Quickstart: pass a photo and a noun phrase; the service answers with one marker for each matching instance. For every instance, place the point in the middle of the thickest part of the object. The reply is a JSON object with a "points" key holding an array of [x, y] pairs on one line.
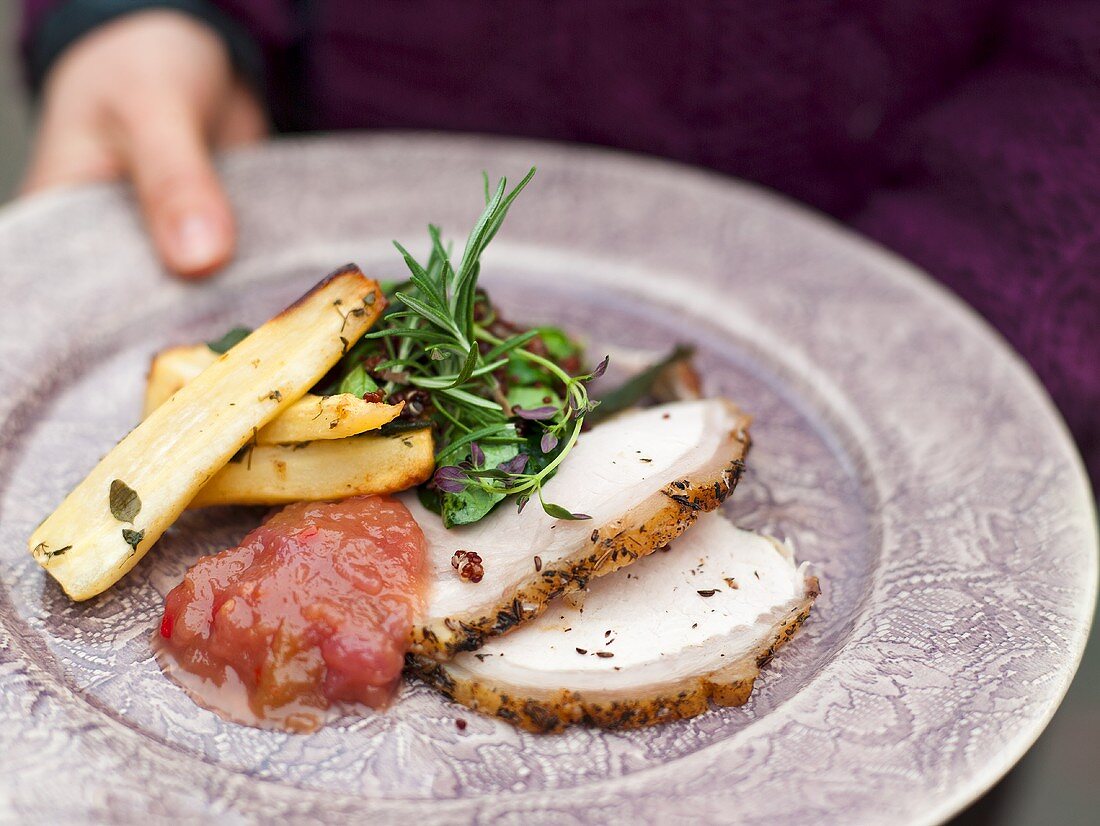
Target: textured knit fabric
{"points": [[964, 134]]}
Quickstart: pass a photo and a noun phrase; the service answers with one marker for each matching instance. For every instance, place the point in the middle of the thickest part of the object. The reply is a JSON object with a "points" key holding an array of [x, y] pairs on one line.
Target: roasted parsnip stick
{"points": [[171, 369], [332, 469], [110, 520], [314, 418], [308, 419]]}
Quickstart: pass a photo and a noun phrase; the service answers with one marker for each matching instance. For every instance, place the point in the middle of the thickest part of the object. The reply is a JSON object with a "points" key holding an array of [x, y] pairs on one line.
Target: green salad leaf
{"points": [[229, 340]]}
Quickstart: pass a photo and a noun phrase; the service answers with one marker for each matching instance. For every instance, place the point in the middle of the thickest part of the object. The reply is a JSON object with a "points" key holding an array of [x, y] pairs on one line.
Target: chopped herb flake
{"points": [[125, 503], [133, 538], [42, 553]]}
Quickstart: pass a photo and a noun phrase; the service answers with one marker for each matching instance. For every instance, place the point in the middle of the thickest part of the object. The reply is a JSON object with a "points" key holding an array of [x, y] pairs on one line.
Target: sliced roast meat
{"points": [[658, 641], [643, 477]]}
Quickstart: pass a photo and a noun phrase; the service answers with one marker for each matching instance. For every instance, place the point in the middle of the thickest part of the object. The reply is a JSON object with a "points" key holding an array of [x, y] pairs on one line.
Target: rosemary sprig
{"points": [[506, 415]]}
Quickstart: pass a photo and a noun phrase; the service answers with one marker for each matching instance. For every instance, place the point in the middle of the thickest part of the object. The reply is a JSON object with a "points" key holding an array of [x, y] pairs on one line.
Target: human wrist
{"points": [[72, 20]]}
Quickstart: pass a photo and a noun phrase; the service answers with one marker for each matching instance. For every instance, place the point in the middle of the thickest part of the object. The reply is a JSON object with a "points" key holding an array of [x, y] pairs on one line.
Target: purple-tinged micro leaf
{"points": [[450, 479], [537, 413], [477, 454], [521, 502], [548, 443], [514, 465], [601, 368], [558, 512], [488, 473]]}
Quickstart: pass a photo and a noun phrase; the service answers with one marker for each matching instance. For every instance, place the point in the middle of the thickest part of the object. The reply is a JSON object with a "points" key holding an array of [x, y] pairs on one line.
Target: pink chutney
{"points": [[312, 609]]}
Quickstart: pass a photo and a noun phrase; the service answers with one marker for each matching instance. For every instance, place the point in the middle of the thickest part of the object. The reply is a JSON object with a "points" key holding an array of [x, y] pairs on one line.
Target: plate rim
{"points": [[887, 263]]}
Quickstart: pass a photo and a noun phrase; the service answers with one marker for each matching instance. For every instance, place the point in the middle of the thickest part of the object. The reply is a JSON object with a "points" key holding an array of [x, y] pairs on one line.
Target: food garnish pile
{"points": [[465, 502]]}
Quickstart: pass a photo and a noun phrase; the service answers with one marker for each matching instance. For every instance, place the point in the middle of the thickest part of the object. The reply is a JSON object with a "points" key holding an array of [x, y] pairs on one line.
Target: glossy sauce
{"points": [[312, 610]]}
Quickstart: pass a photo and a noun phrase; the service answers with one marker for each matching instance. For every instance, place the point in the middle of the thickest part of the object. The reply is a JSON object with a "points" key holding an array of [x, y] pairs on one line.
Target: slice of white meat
{"points": [[643, 477], [656, 642]]}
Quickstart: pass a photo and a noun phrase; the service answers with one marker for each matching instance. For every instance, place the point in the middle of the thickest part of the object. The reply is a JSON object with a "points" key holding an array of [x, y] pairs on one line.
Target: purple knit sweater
{"points": [[964, 134]]}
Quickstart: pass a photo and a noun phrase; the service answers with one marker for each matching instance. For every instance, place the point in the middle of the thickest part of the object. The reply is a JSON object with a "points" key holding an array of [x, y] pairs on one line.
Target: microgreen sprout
{"points": [[504, 409]]}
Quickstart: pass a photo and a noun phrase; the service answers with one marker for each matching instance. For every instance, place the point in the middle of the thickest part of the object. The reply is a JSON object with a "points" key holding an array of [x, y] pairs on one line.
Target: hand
{"points": [[148, 96]]}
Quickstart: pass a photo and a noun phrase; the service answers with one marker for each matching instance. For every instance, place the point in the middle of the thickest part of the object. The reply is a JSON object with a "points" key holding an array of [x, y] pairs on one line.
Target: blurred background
{"points": [[1057, 782], [14, 116]]}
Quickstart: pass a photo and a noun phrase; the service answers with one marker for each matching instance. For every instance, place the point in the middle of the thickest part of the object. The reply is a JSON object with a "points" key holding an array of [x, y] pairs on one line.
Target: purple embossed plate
{"points": [[898, 442]]}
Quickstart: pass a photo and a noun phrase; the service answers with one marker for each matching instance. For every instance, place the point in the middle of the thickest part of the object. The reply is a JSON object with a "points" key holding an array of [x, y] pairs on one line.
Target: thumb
{"points": [[181, 197]]}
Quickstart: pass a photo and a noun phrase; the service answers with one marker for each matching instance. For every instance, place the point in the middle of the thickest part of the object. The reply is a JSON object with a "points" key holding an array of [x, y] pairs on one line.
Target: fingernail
{"points": [[197, 243]]}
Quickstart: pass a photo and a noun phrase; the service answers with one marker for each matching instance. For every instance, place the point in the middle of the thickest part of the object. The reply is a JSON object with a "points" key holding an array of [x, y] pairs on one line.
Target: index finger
{"points": [[183, 201]]}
